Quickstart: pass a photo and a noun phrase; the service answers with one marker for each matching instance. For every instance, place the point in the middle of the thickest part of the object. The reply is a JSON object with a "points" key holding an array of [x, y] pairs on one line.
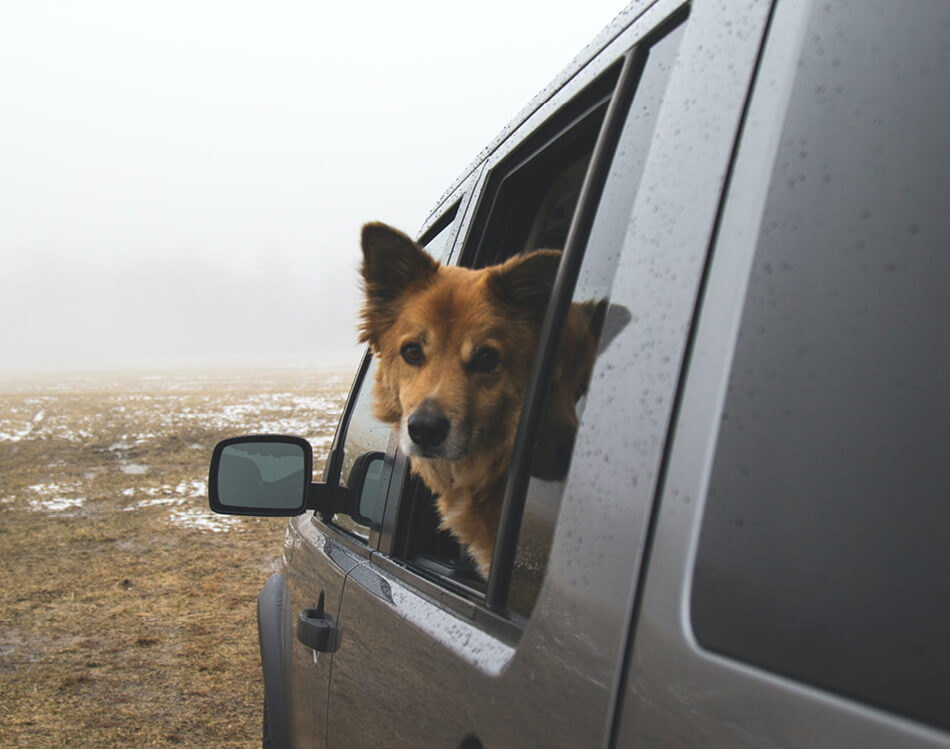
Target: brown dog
{"points": [[455, 348]]}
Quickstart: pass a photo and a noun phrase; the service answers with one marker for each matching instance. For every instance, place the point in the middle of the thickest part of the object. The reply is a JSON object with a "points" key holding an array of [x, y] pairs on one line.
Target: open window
{"points": [[528, 203], [544, 194]]}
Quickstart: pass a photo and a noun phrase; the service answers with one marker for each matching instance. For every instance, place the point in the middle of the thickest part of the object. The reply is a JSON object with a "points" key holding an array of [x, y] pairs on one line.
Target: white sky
{"points": [[183, 183]]}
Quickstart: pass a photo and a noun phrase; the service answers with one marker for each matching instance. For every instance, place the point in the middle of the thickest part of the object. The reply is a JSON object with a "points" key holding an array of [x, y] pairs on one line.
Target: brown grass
{"points": [[125, 618]]}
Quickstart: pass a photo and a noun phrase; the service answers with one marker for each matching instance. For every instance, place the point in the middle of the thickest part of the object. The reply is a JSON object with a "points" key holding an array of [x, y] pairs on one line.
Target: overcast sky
{"points": [[183, 183]]}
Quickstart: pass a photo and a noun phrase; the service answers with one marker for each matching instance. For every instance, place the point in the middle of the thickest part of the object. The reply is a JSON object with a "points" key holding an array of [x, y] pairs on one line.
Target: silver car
{"points": [[748, 542]]}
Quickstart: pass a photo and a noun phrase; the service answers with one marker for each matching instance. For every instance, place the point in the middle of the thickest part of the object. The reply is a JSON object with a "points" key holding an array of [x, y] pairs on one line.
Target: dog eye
{"points": [[485, 360], [412, 353]]}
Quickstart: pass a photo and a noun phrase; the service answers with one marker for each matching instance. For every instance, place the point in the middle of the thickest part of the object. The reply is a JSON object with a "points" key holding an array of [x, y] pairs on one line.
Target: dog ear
{"points": [[392, 263], [524, 282]]}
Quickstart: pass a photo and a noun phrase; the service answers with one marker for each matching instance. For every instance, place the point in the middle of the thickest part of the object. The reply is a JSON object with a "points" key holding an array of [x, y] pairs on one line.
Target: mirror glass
{"points": [[263, 474]]}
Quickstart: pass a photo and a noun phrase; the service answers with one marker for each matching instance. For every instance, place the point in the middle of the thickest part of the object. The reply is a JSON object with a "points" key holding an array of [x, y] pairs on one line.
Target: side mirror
{"points": [[261, 475], [271, 475]]}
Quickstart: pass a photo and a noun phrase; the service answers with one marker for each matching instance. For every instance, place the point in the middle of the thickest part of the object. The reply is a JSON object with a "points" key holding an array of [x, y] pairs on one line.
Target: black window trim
{"points": [[444, 221]]}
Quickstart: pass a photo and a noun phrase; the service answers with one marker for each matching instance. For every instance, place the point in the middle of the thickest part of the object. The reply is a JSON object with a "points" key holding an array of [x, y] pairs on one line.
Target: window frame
{"points": [[469, 246], [598, 111], [558, 136], [583, 116]]}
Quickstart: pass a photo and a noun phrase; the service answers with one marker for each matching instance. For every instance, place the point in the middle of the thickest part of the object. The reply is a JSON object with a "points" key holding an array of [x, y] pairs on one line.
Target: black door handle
{"points": [[318, 630]]}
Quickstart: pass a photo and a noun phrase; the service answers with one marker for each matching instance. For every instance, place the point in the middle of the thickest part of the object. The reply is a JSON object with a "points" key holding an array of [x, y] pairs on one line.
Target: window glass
{"points": [[365, 468], [592, 324], [824, 550], [435, 244]]}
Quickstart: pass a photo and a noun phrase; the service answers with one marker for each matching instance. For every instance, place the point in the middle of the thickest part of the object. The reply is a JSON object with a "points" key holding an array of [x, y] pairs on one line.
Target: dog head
{"points": [[455, 345]]}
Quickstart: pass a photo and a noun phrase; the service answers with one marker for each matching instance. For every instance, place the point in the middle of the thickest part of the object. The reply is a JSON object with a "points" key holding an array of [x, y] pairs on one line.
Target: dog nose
{"points": [[427, 428]]}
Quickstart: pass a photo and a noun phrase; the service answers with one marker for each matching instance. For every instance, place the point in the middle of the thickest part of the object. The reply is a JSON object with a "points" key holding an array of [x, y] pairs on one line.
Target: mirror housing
{"points": [[271, 475]]}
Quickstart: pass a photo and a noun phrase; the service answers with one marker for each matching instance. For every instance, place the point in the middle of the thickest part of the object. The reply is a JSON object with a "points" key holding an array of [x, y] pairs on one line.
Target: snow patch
{"points": [[135, 469], [202, 520], [57, 504]]}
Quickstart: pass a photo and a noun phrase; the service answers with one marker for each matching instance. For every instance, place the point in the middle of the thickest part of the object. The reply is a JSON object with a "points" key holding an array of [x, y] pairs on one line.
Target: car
{"points": [[748, 544]]}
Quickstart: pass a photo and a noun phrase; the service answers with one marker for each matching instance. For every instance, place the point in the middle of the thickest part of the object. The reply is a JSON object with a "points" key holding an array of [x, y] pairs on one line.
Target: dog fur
{"points": [[455, 348]]}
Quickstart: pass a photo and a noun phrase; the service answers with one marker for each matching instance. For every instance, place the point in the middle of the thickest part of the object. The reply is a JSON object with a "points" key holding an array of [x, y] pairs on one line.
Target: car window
{"points": [[591, 325], [823, 551], [365, 470], [528, 203]]}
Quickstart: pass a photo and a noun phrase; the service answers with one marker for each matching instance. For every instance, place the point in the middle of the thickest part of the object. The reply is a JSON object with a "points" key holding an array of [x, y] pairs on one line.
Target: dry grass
{"points": [[127, 610]]}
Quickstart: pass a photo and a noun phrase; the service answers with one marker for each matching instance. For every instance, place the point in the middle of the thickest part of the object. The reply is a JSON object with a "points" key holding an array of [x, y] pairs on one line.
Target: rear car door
{"points": [[430, 654], [797, 591]]}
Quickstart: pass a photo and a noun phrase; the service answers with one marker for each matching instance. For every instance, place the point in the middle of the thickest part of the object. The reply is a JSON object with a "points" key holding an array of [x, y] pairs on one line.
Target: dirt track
{"points": [[127, 610]]}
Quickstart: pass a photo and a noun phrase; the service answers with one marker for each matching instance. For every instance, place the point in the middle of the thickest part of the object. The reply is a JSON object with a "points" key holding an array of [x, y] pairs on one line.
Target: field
{"points": [[127, 609]]}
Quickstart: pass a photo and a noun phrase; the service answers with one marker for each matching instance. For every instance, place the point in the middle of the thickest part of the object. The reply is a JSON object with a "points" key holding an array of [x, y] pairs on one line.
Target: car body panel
{"points": [[676, 692], [320, 562], [608, 654]]}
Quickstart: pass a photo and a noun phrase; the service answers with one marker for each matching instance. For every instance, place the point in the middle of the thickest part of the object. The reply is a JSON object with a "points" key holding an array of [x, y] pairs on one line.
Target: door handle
{"points": [[318, 630]]}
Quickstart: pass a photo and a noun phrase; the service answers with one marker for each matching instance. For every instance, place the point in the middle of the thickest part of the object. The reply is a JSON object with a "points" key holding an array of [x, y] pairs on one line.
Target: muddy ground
{"points": [[127, 609]]}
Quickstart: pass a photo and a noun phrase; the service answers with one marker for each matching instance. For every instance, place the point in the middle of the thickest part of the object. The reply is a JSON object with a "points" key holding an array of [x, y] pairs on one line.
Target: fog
{"points": [[183, 183]]}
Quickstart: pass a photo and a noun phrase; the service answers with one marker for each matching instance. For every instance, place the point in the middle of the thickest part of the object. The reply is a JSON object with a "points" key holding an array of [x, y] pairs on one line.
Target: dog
{"points": [[455, 348]]}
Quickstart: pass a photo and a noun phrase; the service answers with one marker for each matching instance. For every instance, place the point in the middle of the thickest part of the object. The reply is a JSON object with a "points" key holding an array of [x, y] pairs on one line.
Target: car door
{"points": [[797, 592], [318, 554], [320, 550], [430, 654]]}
